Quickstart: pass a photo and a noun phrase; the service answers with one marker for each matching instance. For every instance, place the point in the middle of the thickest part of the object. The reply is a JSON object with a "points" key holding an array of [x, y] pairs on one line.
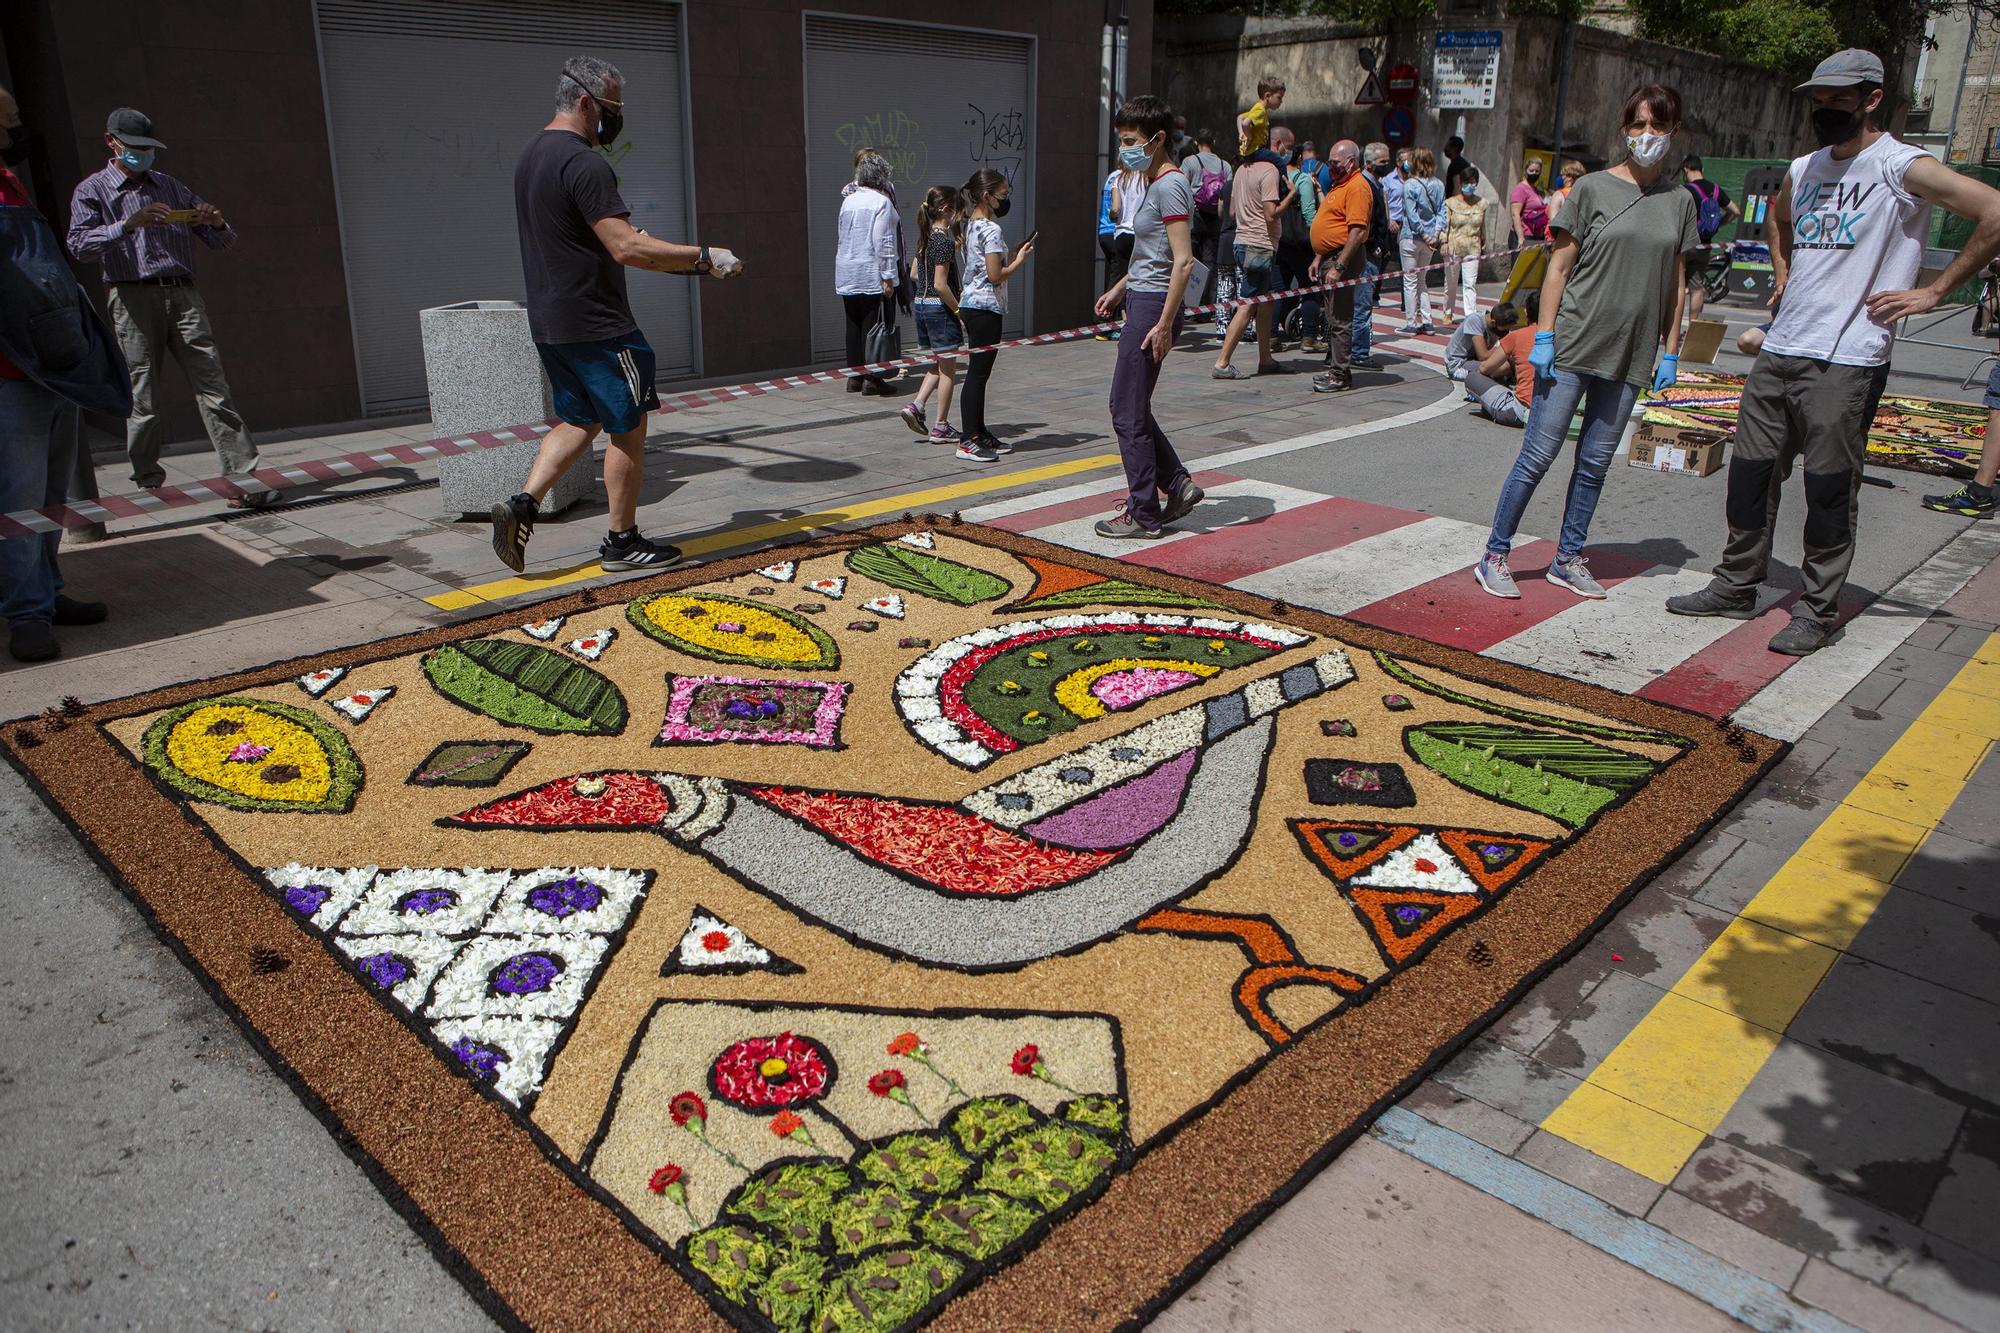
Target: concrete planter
{"points": [[484, 374]]}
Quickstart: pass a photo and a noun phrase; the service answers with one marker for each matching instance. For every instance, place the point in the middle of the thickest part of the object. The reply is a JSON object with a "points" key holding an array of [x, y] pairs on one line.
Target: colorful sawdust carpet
{"points": [[687, 954], [1934, 435]]}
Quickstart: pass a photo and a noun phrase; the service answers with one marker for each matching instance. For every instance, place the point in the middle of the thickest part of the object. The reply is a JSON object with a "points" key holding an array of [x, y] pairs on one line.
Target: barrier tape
{"points": [[83, 513]]}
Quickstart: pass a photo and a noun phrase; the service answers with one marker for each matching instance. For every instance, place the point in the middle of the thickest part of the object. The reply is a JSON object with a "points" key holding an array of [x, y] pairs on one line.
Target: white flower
{"points": [[781, 572], [923, 541], [532, 976], [361, 703], [834, 588], [318, 682], [342, 888], [888, 605], [432, 900], [1421, 863], [712, 942], [525, 1044], [592, 646], [423, 955], [543, 629]]}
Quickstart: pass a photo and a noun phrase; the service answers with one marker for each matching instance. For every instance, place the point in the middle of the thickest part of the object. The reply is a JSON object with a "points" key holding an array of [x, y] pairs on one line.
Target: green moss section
{"points": [[926, 1161], [927, 575], [885, 1291], [342, 764], [1562, 777], [983, 1122], [1007, 710], [1115, 592], [1048, 1165], [1105, 1113], [977, 1225], [736, 1259], [883, 1215], [1519, 714], [526, 685], [788, 1296], [794, 1200]]}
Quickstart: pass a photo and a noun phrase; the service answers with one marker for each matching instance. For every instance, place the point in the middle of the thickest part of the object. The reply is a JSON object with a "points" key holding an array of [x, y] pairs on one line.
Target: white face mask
{"points": [[1648, 148]]}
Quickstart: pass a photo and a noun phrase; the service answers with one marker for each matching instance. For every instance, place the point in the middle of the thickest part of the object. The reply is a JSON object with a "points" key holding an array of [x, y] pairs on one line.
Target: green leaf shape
{"points": [[794, 1199], [881, 1215], [1563, 777], [927, 575], [978, 1225], [1105, 1113], [734, 1258], [684, 621], [795, 1286], [924, 1161], [1116, 592], [885, 1291], [1602, 731], [343, 766], [1048, 1165], [526, 685], [983, 1122]]}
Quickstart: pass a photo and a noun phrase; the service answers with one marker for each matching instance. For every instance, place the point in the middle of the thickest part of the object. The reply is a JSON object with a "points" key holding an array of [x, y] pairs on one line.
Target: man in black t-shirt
{"points": [[576, 242]]}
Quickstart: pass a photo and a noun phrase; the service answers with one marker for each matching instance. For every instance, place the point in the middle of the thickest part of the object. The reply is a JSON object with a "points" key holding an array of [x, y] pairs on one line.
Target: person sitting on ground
{"points": [[1476, 335], [1751, 340], [1504, 382], [1253, 127], [1979, 497]]}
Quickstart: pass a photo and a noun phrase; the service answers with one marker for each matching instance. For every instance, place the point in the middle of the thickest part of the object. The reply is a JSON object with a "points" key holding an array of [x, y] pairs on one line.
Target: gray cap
{"points": [[1844, 69], [132, 128]]}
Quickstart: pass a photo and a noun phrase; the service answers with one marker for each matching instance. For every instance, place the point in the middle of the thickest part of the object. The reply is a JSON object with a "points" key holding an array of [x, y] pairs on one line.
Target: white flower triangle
{"points": [[361, 703], [710, 944], [592, 646], [923, 541], [319, 682], [543, 629], [1421, 863], [781, 572], [835, 587], [889, 605]]}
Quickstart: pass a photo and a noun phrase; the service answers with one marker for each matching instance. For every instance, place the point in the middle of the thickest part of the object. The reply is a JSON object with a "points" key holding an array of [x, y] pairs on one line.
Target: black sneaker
{"points": [[32, 641], [1965, 502], [513, 524], [638, 553], [1181, 501], [69, 611]]}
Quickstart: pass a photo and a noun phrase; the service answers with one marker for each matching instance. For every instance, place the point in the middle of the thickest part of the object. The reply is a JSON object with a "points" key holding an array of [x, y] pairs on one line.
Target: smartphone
{"points": [[189, 215], [1031, 238]]}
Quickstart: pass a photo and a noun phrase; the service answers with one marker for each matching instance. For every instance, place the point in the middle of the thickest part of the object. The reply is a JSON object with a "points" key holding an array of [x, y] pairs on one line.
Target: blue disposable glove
{"points": [[1542, 356], [1669, 371]]}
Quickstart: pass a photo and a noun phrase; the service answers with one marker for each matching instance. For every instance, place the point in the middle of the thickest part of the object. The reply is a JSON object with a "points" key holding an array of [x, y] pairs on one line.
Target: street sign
{"points": [[1402, 83], [1398, 126], [1466, 70], [1371, 92]]}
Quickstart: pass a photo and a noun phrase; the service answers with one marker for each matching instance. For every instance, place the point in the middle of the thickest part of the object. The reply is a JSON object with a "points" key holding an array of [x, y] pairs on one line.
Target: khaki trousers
{"points": [[152, 322]]}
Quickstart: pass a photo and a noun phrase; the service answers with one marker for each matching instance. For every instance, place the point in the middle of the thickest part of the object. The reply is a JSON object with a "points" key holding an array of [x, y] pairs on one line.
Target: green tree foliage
{"points": [[1783, 36]]}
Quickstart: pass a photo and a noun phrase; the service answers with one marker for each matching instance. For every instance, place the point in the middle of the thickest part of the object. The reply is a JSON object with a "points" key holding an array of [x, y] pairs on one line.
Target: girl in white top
{"points": [[984, 268]]}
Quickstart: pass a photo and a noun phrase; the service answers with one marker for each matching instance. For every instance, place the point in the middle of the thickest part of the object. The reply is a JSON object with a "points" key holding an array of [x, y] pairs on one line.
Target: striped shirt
{"points": [[103, 201]]}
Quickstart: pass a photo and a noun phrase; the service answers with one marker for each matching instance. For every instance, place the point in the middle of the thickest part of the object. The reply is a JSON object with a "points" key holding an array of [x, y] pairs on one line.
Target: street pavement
{"points": [[1765, 1091]]}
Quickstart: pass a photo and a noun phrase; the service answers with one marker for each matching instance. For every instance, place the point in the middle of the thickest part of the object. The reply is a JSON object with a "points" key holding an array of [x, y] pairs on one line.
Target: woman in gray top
{"points": [[1613, 293]]}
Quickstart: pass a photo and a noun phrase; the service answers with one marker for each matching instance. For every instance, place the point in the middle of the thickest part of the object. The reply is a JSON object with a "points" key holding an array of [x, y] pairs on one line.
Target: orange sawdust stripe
{"points": [[1259, 938], [1052, 578], [1250, 991]]}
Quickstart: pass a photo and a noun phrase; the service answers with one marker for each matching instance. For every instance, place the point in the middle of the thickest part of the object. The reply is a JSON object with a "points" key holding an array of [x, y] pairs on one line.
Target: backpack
{"points": [[1707, 209], [1208, 194], [1380, 244]]}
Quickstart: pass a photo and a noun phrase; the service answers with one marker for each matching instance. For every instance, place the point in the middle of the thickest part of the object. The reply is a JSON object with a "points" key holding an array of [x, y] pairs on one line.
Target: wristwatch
{"points": [[704, 266]]}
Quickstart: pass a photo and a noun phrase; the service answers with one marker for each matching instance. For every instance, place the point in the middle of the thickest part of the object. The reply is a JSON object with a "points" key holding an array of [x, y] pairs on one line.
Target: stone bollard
{"points": [[484, 375]]}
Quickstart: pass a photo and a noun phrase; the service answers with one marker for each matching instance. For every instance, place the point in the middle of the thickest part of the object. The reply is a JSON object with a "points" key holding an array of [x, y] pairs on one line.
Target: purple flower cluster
{"points": [[526, 974], [305, 899], [386, 970], [481, 1059], [423, 902], [565, 897]]}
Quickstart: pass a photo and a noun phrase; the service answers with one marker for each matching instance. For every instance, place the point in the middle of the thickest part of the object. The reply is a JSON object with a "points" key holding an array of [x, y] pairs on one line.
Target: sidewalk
{"points": [[154, 1164]]}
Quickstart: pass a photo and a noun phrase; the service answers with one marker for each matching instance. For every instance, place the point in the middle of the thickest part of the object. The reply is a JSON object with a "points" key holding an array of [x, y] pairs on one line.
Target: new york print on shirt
{"points": [[1825, 214]]}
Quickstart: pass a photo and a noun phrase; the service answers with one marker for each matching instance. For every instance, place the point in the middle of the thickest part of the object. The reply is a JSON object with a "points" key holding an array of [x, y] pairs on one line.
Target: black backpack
{"points": [[1380, 244]]}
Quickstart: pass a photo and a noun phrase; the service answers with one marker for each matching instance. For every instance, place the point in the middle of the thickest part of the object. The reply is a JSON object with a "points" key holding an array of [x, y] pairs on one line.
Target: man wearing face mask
{"points": [[140, 225], [576, 242], [1848, 228], [1340, 231], [1379, 249]]}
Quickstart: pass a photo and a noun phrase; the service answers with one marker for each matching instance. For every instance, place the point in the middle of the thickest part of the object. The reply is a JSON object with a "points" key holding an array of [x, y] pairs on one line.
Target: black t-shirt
{"points": [[576, 290]]}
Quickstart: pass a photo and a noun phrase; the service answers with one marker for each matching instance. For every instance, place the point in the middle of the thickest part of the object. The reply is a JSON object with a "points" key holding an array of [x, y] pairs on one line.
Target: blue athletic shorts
{"points": [[607, 382]]}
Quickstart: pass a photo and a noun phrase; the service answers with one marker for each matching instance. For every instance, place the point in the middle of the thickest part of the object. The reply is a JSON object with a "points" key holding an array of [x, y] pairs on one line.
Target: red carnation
{"points": [[716, 941], [1026, 1059], [667, 1176], [686, 1107], [886, 1083], [785, 1124], [904, 1044]]}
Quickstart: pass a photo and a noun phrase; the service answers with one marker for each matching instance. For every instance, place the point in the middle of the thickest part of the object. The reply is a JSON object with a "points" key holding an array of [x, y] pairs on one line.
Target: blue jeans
{"points": [[1606, 406], [39, 435], [1364, 307]]}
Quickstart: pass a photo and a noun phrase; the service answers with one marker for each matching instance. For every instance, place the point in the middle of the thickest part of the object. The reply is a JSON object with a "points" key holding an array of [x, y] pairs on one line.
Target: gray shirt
{"points": [[1168, 199], [1615, 302]]}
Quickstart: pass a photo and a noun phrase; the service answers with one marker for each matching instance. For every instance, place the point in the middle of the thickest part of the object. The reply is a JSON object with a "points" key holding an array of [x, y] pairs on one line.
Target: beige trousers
{"points": [[154, 322]]}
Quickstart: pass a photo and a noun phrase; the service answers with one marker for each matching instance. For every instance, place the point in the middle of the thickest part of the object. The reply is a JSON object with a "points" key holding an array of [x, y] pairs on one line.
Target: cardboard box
{"points": [[1678, 449], [1703, 337]]}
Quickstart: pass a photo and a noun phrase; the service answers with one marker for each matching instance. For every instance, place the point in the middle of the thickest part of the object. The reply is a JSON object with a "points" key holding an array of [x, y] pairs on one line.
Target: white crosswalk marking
{"points": [[1638, 640], [1368, 570]]}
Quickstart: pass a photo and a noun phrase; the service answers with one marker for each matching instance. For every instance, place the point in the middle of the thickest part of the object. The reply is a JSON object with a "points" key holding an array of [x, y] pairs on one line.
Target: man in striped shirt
{"points": [[140, 225]]}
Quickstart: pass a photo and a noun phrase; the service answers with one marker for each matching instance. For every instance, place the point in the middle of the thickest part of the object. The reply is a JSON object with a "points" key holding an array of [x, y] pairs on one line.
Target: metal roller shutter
{"points": [[939, 103], [429, 103]]}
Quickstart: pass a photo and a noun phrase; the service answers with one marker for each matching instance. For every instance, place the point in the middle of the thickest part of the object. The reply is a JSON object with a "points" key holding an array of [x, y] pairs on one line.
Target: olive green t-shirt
{"points": [[1615, 302]]}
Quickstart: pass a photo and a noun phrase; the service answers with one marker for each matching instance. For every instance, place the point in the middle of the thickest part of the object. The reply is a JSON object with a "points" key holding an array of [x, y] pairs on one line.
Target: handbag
{"points": [[885, 341]]}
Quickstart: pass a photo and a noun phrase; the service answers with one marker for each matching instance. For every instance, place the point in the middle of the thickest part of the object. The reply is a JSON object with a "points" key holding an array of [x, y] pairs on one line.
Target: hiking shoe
{"points": [[1495, 577], [637, 553], [69, 611], [1332, 381], [944, 434], [1122, 526], [1226, 373], [1181, 500], [1800, 638], [513, 525], [1965, 502], [33, 641], [1312, 345], [1710, 602], [1568, 572], [913, 417], [975, 451]]}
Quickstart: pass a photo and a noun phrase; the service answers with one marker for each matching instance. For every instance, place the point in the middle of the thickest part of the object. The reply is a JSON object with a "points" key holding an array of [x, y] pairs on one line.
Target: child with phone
{"points": [[982, 300]]}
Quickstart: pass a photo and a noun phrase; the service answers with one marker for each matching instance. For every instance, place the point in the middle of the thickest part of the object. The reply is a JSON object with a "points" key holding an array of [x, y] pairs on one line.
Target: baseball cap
{"points": [[134, 129], [1844, 69]]}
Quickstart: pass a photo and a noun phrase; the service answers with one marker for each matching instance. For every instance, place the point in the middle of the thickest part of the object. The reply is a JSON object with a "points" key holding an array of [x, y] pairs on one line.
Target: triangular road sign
{"points": [[1371, 92]]}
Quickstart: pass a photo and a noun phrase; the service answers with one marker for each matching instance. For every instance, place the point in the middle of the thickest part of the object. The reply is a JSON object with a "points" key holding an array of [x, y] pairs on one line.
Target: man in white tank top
{"points": [[1847, 239]]}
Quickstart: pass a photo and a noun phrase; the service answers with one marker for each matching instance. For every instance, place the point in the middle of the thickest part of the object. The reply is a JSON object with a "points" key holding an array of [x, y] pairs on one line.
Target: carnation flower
{"points": [[1028, 1063], [688, 1107]]}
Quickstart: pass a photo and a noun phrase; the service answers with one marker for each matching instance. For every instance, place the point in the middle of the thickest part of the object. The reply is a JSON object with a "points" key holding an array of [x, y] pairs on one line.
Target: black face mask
{"points": [[1000, 209], [609, 123], [1380, 169], [16, 152], [1831, 125]]}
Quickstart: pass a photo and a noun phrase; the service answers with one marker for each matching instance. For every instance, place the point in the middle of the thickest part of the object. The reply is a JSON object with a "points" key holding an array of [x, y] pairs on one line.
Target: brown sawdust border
{"points": [[488, 1192]]}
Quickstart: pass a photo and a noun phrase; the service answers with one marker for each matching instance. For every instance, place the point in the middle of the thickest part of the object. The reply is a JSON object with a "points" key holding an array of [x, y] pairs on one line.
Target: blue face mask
{"points": [[1285, 158], [1134, 157], [137, 159]]}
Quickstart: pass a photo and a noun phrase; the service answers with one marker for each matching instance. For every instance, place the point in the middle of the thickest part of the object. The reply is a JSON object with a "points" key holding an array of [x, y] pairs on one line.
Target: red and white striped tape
{"points": [[82, 513]]}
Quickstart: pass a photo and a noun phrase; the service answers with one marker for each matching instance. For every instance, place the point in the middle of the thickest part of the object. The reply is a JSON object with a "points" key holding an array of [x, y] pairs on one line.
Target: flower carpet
{"points": [[925, 926], [1936, 435]]}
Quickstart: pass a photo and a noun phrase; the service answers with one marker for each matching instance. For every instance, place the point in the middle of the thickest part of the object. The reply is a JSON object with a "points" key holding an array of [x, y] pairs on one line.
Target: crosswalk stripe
{"points": [[1234, 553], [1367, 570], [1622, 642], [1454, 610], [1233, 503]]}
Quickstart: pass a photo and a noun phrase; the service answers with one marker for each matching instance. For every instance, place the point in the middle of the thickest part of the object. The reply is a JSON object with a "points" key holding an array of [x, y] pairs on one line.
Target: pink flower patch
{"points": [[1119, 690], [247, 753]]}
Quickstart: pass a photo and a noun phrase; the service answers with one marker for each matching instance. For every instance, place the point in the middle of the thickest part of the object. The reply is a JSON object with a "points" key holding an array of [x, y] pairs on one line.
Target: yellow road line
{"points": [[1673, 1079], [459, 598]]}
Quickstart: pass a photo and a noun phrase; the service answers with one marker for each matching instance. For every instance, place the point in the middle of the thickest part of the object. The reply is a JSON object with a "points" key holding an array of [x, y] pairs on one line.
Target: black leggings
{"points": [[1117, 256], [863, 313], [981, 327]]}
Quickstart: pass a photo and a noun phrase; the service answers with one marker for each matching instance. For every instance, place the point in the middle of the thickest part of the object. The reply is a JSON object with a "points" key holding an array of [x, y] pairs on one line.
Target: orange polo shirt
{"points": [[1346, 205]]}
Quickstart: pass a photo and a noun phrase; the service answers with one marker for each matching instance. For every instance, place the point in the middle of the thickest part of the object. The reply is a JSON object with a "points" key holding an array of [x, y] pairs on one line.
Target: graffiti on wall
{"points": [[997, 140], [895, 136]]}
